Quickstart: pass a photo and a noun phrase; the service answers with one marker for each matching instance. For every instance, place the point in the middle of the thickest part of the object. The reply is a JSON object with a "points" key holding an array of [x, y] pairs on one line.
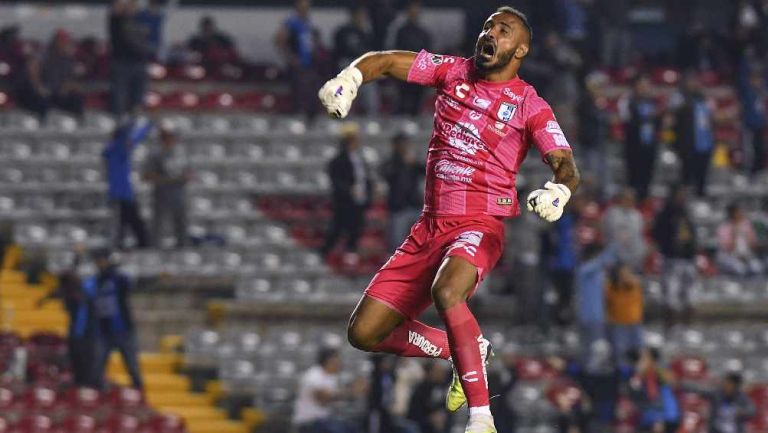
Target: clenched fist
{"points": [[337, 94], [549, 202]]}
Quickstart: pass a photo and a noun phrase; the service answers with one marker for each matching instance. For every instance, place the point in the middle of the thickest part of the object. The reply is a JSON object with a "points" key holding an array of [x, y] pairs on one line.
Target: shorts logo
{"points": [[425, 345], [481, 103], [474, 115], [505, 201], [506, 111], [469, 241], [423, 64]]}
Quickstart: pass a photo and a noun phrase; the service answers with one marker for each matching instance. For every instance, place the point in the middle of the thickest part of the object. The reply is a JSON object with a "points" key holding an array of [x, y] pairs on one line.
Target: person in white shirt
{"points": [[319, 388]]}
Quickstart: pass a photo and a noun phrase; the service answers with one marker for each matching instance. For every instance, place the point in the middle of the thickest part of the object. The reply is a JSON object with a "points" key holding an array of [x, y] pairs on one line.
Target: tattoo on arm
{"points": [[564, 168]]}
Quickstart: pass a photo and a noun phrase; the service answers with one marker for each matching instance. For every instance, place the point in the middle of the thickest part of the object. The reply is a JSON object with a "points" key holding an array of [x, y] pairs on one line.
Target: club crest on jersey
{"points": [[506, 111]]}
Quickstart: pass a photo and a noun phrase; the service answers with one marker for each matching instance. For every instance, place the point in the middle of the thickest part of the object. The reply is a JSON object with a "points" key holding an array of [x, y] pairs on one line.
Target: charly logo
{"points": [[453, 172], [475, 115], [461, 90], [463, 136]]}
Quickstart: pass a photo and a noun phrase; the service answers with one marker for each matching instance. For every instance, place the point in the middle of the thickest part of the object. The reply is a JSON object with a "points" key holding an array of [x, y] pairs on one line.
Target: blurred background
{"points": [[183, 233]]}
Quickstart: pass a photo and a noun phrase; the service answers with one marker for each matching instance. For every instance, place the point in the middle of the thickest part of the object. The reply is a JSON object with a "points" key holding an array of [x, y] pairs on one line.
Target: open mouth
{"points": [[487, 50]]}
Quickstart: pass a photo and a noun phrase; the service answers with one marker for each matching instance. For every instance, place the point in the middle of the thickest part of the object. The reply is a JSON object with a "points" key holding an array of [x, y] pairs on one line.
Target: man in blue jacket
{"points": [[108, 291], [117, 155]]}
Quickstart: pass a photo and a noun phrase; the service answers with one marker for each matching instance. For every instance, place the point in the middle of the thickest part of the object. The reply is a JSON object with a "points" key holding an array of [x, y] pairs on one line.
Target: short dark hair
{"points": [[523, 18], [326, 354], [735, 378]]}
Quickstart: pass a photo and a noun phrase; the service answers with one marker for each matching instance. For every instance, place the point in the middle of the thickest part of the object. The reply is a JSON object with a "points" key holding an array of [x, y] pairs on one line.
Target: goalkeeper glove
{"points": [[548, 203], [337, 94]]}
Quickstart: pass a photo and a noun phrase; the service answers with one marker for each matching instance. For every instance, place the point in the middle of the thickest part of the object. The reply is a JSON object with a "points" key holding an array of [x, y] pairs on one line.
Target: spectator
{"points": [[50, 82], [624, 302], [351, 194], [109, 290], [694, 133], [351, 41], [403, 175], [130, 49], [594, 124], [623, 225], [82, 332], [297, 39], [753, 94], [642, 120], [501, 383], [410, 35], [409, 373], [117, 155], [380, 417], [427, 407], [319, 389], [601, 379], [675, 237], [153, 18], [616, 40], [590, 302], [215, 47], [731, 408], [562, 90], [560, 249], [382, 13], [736, 244], [167, 169], [650, 390]]}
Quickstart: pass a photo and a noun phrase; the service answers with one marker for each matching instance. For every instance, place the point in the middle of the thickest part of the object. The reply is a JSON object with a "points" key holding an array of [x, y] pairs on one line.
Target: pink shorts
{"points": [[404, 283]]}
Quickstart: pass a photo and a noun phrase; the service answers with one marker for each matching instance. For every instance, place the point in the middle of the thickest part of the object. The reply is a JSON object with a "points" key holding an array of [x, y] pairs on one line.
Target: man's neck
{"points": [[498, 76]]}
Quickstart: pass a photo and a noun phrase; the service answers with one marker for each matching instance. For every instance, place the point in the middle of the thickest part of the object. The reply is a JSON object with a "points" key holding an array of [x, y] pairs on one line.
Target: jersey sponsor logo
{"points": [[452, 103], [439, 59], [553, 127], [509, 93], [468, 241], [557, 133], [475, 115], [506, 111], [461, 90], [464, 136], [453, 172], [422, 64], [425, 345], [481, 103]]}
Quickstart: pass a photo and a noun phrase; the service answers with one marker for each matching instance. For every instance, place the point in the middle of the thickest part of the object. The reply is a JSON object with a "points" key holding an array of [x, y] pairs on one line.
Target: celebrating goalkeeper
{"points": [[486, 119]]}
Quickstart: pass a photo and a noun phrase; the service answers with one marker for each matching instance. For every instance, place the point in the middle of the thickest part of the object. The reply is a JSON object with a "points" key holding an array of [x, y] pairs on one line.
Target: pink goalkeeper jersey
{"points": [[482, 133]]}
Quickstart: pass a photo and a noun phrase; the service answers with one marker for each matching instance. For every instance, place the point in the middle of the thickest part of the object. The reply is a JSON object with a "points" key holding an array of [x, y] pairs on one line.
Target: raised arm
{"points": [[338, 93], [564, 168]]}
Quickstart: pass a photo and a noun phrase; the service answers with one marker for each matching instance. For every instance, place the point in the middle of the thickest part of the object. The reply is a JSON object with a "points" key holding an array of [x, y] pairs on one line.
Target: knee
{"points": [[361, 338], [448, 295]]}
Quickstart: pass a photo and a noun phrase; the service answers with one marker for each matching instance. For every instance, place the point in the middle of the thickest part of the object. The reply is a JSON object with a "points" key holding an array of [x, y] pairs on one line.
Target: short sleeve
{"points": [[543, 128], [430, 69]]}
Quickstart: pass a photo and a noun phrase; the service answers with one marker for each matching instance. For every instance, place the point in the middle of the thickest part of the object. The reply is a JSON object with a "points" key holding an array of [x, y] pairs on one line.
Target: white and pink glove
{"points": [[337, 94], [548, 203]]}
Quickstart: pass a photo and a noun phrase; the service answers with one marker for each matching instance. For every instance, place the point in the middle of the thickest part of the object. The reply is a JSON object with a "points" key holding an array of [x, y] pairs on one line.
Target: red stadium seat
{"points": [[533, 369], [689, 368], [692, 402], [691, 422], [759, 395], [167, 423], [126, 398]]}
